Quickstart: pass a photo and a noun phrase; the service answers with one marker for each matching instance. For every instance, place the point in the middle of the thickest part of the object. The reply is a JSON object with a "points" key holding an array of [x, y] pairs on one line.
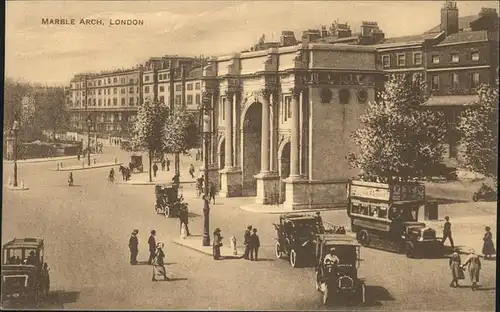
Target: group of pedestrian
{"points": [[156, 254], [473, 262], [252, 244]]}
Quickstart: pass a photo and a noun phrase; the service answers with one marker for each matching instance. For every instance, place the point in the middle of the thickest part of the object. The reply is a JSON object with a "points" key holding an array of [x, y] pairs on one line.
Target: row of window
{"points": [[417, 59], [455, 58], [474, 80], [189, 86]]}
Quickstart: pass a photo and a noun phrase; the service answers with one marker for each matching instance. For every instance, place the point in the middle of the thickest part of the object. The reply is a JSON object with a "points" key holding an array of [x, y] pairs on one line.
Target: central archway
{"points": [[251, 137]]}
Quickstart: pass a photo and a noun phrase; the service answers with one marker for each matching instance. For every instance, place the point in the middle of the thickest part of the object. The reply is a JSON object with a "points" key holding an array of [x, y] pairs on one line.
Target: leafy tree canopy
{"points": [[180, 132], [479, 132], [397, 139]]}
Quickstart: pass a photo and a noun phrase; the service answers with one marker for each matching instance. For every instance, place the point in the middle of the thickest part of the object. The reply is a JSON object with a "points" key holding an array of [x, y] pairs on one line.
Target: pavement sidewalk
{"points": [[161, 177], [195, 243], [47, 159], [85, 167]]}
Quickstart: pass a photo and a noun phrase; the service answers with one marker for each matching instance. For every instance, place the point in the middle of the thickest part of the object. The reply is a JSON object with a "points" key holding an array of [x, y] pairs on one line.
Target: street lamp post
{"points": [[15, 129], [89, 123], [207, 131]]}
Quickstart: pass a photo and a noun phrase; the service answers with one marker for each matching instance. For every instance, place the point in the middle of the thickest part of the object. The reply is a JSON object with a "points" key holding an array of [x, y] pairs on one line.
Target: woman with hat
{"points": [[488, 247], [456, 269], [474, 265], [217, 243], [133, 245], [159, 263]]}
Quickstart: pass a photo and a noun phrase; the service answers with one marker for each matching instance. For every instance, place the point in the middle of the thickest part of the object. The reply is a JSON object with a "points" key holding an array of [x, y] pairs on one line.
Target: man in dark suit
{"points": [[133, 244], [152, 246], [246, 241], [183, 218]]}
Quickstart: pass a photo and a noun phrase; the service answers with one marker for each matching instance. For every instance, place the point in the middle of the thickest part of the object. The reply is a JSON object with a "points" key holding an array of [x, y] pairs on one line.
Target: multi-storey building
{"points": [[112, 98]]}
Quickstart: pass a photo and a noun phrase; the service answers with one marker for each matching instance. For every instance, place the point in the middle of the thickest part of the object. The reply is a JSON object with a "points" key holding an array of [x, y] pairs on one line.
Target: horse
{"points": [[125, 173]]}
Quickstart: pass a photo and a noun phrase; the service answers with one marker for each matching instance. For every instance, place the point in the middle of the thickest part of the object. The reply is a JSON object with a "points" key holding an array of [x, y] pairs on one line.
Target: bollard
{"points": [[116, 160], [57, 166], [95, 161], [9, 181], [22, 184], [61, 164]]}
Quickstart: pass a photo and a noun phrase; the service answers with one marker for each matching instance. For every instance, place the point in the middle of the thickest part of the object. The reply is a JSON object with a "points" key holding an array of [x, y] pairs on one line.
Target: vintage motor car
{"points": [[339, 280], [167, 200], [25, 276], [296, 235], [385, 216]]}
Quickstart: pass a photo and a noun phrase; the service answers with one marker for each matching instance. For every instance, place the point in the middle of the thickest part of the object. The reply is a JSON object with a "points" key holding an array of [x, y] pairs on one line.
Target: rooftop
{"points": [[466, 36], [24, 243], [409, 39]]}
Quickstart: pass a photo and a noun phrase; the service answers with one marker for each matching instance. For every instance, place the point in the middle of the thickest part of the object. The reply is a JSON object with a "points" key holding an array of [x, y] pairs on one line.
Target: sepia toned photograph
{"points": [[250, 155]]}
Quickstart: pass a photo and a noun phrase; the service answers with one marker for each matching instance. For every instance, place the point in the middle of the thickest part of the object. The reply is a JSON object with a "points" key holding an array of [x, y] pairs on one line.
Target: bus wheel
{"points": [[363, 238]]}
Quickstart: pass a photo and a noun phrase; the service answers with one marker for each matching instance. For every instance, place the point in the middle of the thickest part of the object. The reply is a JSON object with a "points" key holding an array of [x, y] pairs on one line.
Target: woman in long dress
{"points": [[159, 263], [455, 262], [217, 243], [488, 246], [474, 265]]}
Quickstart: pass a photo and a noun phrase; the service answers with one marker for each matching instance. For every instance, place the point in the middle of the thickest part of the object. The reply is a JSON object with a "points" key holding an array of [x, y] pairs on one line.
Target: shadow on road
{"points": [[486, 288], [266, 259], [376, 294], [193, 215]]}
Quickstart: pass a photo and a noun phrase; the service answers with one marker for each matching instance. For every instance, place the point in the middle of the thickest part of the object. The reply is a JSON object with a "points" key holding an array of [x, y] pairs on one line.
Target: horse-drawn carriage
{"points": [[168, 202], [136, 163]]}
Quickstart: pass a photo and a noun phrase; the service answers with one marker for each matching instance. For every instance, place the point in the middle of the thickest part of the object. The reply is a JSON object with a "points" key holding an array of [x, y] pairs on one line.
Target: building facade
{"points": [[283, 117], [112, 98]]}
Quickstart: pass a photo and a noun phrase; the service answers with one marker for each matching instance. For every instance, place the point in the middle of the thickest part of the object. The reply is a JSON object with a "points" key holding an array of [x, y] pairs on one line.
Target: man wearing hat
{"points": [[447, 232], [32, 260], [217, 243], [247, 242], [152, 246], [133, 245]]}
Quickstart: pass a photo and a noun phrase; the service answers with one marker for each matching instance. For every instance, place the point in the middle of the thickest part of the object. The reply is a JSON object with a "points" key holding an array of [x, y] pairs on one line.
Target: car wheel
{"points": [[475, 197], [293, 258], [363, 238], [326, 294], [278, 251]]}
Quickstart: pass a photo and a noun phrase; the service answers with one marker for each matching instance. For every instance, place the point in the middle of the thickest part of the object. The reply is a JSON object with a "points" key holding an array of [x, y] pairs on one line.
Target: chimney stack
{"points": [[449, 18], [287, 38]]}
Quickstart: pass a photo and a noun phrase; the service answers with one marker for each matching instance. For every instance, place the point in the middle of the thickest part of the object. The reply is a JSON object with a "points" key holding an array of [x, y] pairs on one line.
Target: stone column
{"points": [[294, 139], [229, 133], [231, 184], [267, 181], [265, 133]]}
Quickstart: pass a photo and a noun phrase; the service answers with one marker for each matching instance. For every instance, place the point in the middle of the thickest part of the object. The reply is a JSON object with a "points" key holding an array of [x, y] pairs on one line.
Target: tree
{"points": [[51, 101], [14, 91], [479, 134], [148, 129], [397, 139], [180, 133]]}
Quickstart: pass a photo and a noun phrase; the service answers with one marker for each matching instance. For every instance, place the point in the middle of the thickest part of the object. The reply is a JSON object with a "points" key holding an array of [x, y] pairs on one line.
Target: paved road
{"points": [[87, 227]]}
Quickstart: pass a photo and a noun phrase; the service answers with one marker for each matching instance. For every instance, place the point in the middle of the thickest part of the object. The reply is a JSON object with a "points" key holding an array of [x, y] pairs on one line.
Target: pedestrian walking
{"points": [[488, 246], [163, 163], [159, 264], [456, 269], [133, 245], [447, 232], [70, 179], [176, 178], [217, 244], [254, 245], [212, 191], [474, 265], [152, 246], [199, 186], [246, 242], [168, 164], [191, 170], [184, 218], [155, 169]]}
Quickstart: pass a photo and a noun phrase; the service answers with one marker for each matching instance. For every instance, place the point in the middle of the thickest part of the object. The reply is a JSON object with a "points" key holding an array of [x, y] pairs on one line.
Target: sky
{"points": [[52, 54]]}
